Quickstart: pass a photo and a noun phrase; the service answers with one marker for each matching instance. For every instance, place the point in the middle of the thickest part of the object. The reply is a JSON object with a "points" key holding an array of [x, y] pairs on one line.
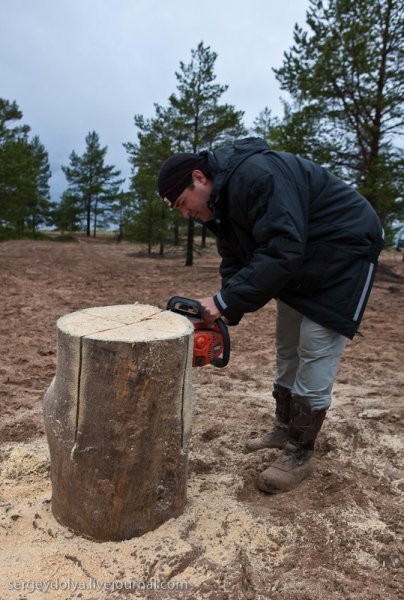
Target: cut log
{"points": [[118, 417]]}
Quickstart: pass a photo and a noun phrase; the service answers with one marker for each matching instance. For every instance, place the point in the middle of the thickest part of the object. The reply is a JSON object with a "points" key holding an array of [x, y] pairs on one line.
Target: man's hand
{"points": [[210, 311]]}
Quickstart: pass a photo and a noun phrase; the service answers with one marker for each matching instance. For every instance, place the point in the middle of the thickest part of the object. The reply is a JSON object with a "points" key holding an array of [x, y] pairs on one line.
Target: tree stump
{"points": [[118, 417]]}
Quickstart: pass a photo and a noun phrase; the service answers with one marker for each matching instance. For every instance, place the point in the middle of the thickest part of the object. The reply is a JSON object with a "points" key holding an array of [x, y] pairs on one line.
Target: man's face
{"points": [[194, 202]]}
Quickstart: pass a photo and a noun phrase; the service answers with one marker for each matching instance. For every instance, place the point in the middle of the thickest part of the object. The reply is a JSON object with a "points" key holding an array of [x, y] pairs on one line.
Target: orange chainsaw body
{"points": [[208, 344]]}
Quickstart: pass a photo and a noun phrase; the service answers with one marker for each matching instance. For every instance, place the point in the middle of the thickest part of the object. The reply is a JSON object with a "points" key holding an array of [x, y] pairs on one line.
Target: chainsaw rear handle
{"points": [[193, 309], [223, 361]]}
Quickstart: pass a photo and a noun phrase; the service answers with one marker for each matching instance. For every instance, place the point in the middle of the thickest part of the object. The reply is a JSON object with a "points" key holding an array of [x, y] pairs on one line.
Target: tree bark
{"points": [[118, 417]]}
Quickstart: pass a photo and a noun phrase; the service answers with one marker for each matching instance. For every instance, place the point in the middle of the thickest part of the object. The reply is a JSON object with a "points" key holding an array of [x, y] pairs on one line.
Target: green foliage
{"points": [[92, 185], [347, 74], [147, 219], [264, 123], [66, 214], [9, 113], [297, 132], [119, 211], [24, 174], [150, 225], [199, 119]]}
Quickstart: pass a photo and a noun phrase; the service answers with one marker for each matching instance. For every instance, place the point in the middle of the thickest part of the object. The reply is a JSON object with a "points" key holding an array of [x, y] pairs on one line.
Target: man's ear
{"points": [[198, 175]]}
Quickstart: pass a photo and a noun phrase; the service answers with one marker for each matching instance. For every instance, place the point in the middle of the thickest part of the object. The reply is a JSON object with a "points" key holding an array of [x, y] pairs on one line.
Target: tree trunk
{"points": [[95, 218], [176, 234], [203, 236], [190, 244], [118, 418]]}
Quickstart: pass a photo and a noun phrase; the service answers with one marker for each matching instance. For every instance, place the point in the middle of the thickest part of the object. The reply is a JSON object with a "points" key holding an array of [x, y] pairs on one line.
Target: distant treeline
{"points": [[344, 75]]}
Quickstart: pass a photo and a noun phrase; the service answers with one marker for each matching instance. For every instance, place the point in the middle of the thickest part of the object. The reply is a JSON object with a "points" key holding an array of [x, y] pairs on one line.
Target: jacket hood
{"points": [[224, 161]]}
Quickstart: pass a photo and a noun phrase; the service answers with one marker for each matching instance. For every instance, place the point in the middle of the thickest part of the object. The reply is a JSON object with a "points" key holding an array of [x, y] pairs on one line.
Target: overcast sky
{"points": [[75, 66]]}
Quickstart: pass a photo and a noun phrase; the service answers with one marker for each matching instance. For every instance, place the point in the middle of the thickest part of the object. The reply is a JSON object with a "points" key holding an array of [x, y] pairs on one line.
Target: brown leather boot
{"points": [[293, 465], [277, 437]]}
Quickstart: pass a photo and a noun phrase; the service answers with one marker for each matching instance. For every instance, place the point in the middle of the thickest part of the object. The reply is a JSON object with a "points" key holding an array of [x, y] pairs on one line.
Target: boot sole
{"points": [[271, 489]]}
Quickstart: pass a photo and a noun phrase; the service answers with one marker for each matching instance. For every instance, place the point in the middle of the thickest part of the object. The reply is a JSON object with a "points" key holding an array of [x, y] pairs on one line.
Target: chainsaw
{"points": [[211, 343]]}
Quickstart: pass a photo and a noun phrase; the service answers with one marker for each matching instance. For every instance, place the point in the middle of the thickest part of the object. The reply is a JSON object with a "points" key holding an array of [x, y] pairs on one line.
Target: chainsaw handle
{"points": [[223, 361], [178, 304]]}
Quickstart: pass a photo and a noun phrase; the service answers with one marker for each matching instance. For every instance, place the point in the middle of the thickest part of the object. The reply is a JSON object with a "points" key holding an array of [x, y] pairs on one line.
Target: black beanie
{"points": [[176, 174]]}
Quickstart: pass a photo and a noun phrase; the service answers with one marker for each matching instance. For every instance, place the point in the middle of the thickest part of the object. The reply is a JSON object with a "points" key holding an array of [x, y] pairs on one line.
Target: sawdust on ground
{"points": [[338, 536]]}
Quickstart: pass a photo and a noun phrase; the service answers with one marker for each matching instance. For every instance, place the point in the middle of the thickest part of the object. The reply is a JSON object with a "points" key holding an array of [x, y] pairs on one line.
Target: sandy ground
{"points": [[338, 536]]}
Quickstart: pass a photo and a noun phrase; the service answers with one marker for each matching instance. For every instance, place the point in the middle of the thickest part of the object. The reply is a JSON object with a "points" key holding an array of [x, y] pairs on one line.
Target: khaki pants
{"points": [[307, 356]]}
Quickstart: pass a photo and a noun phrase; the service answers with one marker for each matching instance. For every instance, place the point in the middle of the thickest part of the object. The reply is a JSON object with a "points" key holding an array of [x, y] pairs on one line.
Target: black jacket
{"points": [[287, 228]]}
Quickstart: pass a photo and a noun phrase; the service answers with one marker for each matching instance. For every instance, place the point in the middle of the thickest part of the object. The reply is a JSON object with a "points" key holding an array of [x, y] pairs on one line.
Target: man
{"points": [[288, 229]]}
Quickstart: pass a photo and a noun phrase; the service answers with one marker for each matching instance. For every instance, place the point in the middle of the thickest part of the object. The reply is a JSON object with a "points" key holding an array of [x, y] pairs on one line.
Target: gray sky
{"points": [[75, 66]]}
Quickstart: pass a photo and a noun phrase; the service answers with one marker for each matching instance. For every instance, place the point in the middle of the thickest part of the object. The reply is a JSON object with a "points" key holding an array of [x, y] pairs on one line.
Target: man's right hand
{"points": [[210, 311]]}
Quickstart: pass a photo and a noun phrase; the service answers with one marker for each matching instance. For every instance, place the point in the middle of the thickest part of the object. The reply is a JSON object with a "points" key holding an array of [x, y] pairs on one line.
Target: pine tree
{"points": [[24, 174], [149, 220], [193, 120], [91, 181], [199, 118], [39, 202], [349, 71]]}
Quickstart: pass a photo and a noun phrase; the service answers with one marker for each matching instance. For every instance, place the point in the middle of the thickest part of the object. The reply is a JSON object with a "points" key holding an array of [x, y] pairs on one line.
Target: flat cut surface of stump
{"points": [[125, 323], [118, 417]]}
